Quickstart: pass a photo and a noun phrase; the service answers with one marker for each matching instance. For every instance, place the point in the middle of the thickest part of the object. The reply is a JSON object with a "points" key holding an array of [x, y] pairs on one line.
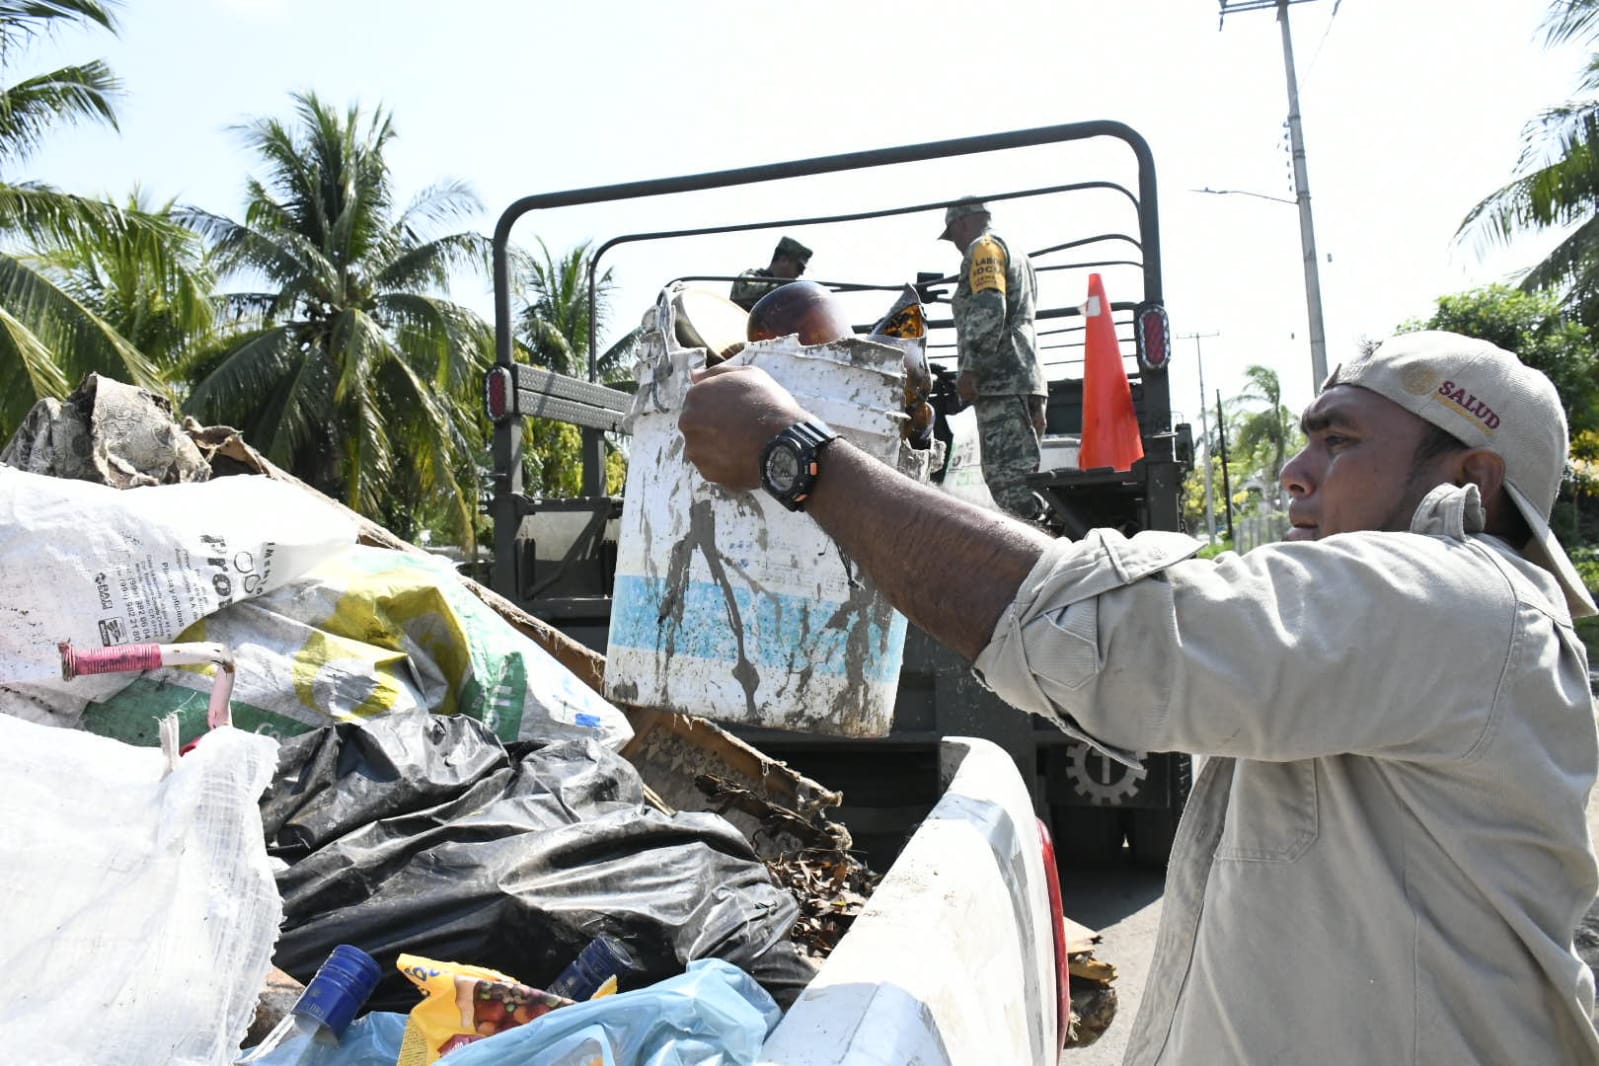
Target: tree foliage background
{"points": [[318, 321]]}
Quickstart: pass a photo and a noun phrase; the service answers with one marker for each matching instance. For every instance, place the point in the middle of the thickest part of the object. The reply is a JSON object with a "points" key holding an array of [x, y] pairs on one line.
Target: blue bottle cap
{"points": [[340, 988]]}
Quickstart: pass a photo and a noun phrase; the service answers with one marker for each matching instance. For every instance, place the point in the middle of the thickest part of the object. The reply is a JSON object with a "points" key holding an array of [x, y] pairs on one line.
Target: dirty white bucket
{"points": [[729, 606]]}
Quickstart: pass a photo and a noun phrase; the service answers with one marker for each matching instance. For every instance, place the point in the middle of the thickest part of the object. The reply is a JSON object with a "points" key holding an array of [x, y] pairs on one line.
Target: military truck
{"points": [[556, 558]]}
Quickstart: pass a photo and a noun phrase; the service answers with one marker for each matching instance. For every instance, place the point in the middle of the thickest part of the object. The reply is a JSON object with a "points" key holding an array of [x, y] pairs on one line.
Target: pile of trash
{"points": [[255, 741]]}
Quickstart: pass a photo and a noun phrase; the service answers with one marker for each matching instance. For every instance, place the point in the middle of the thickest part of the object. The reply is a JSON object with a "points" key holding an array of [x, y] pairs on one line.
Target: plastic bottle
{"points": [[323, 1011], [604, 957]]}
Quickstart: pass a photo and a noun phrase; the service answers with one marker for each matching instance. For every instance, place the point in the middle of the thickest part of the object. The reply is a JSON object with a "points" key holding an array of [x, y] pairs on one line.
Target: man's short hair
{"points": [[1484, 397], [1438, 441]]}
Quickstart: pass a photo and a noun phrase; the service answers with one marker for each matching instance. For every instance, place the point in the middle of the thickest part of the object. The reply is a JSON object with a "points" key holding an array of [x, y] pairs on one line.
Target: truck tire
{"points": [[1087, 836], [1152, 831]]}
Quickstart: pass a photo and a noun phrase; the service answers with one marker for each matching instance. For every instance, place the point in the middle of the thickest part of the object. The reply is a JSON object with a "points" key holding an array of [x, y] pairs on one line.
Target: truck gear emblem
{"points": [[1100, 778]]}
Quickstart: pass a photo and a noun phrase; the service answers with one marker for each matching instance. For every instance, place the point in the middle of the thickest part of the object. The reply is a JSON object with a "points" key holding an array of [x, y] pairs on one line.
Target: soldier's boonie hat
{"points": [[794, 250], [960, 209], [1487, 398]]}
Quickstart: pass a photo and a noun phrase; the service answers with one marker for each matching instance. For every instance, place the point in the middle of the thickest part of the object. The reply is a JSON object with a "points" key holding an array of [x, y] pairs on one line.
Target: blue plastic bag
{"points": [[713, 1015], [371, 1040]]}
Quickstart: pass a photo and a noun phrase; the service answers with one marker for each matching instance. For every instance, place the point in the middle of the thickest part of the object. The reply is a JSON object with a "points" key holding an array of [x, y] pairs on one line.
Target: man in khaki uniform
{"points": [[789, 260], [1386, 854]]}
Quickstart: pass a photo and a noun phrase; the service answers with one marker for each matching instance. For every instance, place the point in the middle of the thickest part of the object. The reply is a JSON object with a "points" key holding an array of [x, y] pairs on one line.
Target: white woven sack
{"points": [[140, 909]]}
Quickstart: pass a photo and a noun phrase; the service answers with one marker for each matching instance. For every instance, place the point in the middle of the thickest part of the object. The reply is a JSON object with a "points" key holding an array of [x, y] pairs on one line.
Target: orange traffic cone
{"points": [[1110, 425]]}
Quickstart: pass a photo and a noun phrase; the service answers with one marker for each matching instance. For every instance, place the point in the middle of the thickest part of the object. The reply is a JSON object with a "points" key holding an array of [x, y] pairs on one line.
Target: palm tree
{"points": [[1265, 432], [348, 365], [555, 324], [558, 320], [49, 338], [1558, 184], [164, 318]]}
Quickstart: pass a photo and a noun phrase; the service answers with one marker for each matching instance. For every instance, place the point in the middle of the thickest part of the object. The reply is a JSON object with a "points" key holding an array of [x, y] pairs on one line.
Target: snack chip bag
{"points": [[462, 1004]]}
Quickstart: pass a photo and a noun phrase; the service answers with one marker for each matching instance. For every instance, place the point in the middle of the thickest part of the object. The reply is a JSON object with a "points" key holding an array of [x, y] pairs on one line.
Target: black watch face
{"points": [[782, 469]]}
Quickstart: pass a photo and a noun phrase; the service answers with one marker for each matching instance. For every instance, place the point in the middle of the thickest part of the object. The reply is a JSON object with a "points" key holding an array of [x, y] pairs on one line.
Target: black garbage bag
{"points": [[426, 835]]}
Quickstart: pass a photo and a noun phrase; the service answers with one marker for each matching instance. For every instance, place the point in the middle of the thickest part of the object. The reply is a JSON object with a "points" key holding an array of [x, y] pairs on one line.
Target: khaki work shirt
{"points": [[1386, 861]]}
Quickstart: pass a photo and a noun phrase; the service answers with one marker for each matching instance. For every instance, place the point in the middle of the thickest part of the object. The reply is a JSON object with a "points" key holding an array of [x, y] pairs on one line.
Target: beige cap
{"points": [[1487, 398]]}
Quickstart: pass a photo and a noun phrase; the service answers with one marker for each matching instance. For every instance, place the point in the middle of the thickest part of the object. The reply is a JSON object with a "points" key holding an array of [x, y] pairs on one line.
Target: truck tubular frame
{"points": [[506, 454]]}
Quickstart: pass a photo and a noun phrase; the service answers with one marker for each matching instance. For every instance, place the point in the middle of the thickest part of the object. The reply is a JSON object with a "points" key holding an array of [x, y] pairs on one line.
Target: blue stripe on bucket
{"points": [[780, 632]]}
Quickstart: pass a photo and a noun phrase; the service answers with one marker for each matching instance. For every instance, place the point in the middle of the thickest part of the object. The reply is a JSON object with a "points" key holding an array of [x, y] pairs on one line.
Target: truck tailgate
{"points": [[953, 960]]}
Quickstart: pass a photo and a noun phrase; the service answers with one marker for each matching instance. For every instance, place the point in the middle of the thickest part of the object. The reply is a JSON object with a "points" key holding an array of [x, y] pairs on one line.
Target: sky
{"points": [[1412, 112]]}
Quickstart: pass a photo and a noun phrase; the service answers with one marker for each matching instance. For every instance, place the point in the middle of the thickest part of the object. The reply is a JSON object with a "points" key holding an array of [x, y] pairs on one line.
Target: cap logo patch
{"points": [[1468, 404], [1417, 379]]}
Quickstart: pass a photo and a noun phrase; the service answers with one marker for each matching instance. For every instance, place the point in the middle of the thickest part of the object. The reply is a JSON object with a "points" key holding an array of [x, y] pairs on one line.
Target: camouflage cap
{"points": [[794, 250], [960, 209]]}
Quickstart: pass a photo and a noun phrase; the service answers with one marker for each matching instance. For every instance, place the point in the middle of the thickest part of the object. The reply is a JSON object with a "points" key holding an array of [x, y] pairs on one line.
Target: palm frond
{"points": [[152, 286], [440, 203], [250, 366], [23, 21], [304, 429], [440, 340], [432, 263], [81, 341], [281, 256], [28, 372], [1569, 259], [32, 108], [616, 362], [1568, 20], [437, 442], [45, 216], [361, 350]]}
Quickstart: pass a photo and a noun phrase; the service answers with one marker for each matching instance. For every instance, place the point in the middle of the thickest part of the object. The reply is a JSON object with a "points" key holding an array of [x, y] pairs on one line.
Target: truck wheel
{"points": [[1087, 836], [1151, 832]]}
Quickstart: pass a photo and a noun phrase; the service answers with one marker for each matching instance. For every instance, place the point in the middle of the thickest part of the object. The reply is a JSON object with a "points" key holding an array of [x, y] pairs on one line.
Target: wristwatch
{"points": [[790, 462]]}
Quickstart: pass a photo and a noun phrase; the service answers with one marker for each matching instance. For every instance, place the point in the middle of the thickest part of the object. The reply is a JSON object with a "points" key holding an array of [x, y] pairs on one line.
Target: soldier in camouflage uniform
{"points": [[1000, 374], [788, 262]]}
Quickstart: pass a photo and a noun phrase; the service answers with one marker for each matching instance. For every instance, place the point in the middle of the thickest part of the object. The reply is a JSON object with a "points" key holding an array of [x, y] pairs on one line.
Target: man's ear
{"points": [[1485, 469]]}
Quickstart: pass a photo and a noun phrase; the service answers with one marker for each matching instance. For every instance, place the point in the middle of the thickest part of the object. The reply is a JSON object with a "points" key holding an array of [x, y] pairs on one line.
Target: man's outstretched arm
{"points": [[947, 565]]}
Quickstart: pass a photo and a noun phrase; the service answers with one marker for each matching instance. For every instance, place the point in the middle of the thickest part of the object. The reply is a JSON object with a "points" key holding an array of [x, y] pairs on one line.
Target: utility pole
{"points": [[1204, 430], [1226, 486], [1307, 233]]}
